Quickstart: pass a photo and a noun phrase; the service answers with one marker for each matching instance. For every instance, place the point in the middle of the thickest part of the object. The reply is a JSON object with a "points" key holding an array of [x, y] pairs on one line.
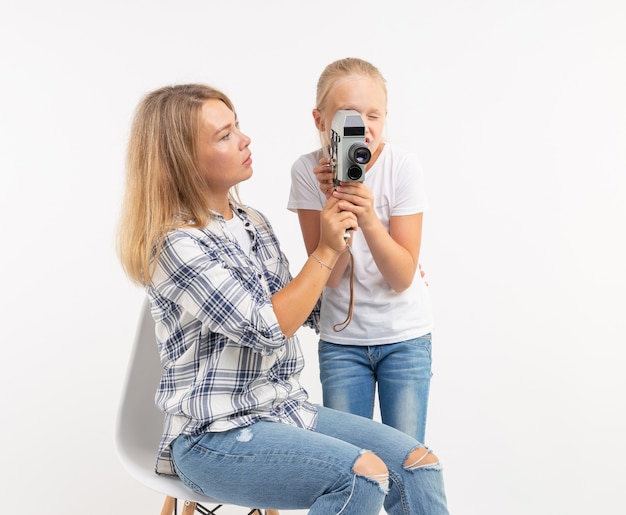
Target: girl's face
{"points": [[223, 154], [363, 94]]}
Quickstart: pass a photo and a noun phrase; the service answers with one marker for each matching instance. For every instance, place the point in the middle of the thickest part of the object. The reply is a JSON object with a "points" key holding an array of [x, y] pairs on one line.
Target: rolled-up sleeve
{"points": [[225, 294]]}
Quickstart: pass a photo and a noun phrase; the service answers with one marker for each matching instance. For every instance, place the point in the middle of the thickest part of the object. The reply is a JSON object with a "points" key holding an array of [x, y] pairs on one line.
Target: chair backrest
{"points": [[140, 422]]}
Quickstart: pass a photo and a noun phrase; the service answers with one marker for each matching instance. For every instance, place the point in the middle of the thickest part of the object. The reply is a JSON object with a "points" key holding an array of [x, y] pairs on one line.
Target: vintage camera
{"points": [[348, 152]]}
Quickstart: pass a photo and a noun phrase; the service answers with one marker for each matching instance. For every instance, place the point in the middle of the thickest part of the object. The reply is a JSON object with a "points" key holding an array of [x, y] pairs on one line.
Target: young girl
{"points": [[238, 426], [387, 340]]}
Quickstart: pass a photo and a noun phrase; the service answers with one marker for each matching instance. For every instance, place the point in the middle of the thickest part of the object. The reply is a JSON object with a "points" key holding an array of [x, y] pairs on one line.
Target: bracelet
{"points": [[320, 261]]}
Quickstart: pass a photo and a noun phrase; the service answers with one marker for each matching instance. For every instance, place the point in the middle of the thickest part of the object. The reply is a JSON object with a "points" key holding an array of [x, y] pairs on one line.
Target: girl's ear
{"points": [[319, 122]]}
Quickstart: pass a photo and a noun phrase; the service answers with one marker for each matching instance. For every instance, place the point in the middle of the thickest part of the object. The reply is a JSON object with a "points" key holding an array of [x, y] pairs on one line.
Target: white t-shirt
{"points": [[239, 233], [381, 315]]}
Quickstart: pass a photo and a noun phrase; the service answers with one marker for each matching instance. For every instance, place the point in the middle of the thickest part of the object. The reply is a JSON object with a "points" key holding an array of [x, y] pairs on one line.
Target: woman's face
{"points": [[223, 154], [363, 94]]}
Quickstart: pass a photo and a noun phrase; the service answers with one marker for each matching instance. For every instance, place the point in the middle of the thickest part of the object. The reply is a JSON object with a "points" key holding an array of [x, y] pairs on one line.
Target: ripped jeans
{"points": [[277, 466]]}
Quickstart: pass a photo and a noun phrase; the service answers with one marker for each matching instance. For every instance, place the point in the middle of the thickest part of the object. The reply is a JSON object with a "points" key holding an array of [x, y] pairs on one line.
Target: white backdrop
{"points": [[518, 113]]}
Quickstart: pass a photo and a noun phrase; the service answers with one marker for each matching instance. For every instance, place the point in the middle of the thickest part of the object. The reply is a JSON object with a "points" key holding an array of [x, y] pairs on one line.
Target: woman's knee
{"points": [[420, 457], [371, 466]]}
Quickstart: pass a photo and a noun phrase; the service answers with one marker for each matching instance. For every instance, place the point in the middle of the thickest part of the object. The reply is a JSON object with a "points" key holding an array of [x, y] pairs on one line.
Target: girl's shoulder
{"points": [[394, 159], [397, 153], [310, 159]]}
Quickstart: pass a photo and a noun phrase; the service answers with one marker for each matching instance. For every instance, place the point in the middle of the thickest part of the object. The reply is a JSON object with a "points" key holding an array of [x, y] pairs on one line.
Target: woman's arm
{"points": [[310, 226], [294, 303]]}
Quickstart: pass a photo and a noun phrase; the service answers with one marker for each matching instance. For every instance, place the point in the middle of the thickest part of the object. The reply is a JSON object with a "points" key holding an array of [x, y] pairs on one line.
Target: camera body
{"points": [[348, 152]]}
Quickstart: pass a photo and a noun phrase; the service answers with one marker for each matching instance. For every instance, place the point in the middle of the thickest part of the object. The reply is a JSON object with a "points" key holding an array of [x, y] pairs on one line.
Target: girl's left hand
{"points": [[324, 175], [357, 198]]}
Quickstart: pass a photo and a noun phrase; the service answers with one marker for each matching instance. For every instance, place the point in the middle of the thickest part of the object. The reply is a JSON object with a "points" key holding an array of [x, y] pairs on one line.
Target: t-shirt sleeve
{"points": [[410, 192], [305, 191]]}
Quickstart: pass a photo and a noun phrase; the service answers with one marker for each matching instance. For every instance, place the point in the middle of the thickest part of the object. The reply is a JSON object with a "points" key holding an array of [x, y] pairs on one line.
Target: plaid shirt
{"points": [[226, 362]]}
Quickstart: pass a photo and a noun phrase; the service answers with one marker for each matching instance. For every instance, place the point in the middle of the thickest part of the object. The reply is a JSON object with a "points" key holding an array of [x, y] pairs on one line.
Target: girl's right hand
{"points": [[334, 223], [324, 175]]}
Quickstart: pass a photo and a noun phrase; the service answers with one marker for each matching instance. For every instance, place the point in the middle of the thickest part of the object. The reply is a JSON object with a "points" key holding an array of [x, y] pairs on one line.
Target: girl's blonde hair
{"points": [[164, 187], [344, 68], [349, 66]]}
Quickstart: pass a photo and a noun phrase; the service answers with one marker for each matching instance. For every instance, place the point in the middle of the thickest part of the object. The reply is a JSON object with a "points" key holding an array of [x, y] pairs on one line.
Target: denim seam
{"points": [[395, 480]]}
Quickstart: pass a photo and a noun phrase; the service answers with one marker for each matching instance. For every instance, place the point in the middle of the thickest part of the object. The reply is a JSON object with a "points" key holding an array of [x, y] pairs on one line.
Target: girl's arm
{"points": [[396, 253]]}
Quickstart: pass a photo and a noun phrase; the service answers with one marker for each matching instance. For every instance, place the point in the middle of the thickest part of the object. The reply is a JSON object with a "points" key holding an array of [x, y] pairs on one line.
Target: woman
{"points": [[226, 311]]}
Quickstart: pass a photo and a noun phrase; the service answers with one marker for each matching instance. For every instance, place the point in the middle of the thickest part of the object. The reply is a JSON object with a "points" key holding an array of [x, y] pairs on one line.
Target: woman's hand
{"points": [[334, 222], [294, 302]]}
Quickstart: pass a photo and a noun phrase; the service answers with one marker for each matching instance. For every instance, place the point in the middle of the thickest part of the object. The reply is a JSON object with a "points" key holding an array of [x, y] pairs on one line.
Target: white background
{"points": [[518, 113]]}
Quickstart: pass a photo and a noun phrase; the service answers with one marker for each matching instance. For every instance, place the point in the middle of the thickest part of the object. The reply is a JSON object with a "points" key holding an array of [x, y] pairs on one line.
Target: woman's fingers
{"points": [[335, 223]]}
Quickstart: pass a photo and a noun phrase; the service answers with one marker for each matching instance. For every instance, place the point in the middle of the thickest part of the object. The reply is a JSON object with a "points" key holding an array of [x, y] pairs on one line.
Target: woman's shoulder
{"points": [[253, 213], [259, 220]]}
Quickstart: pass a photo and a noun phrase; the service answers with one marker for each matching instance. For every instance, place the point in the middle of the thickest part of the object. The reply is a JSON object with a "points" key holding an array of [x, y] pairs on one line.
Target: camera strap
{"points": [[341, 326]]}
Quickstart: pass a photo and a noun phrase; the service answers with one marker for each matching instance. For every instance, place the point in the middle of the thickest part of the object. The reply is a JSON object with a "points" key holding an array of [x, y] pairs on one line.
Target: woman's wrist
{"points": [[326, 257], [320, 261]]}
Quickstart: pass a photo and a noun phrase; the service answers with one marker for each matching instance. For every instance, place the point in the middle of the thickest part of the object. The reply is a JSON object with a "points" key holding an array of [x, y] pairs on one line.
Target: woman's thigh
{"points": [[265, 464], [391, 445]]}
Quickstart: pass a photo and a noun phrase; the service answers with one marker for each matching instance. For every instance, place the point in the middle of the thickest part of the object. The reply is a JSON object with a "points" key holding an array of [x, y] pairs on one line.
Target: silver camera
{"points": [[348, 152]]}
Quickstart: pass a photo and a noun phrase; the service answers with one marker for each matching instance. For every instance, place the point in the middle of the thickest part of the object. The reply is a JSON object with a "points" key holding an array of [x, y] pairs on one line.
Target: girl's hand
{"points": [[324, 175], [357, 198]]}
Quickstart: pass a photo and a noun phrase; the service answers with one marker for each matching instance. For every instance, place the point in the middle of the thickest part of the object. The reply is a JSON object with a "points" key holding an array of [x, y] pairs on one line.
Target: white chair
{"points": [[139, 425]]}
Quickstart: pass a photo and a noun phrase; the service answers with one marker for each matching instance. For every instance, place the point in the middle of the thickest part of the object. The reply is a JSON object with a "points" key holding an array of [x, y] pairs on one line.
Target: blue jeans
{"points": [[349, 374], [277, 466]]}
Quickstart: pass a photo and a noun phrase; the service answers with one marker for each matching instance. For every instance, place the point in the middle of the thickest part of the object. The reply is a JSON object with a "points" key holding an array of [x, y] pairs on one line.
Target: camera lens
{"points": [[354, 173], [360, 154]]}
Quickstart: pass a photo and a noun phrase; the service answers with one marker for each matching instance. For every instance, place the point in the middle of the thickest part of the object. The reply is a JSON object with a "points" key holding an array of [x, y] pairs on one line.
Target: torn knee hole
{"points": [[420, 457], [372, 467]]}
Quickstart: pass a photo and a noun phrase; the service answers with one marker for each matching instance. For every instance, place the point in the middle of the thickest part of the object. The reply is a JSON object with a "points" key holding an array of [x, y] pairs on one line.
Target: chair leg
{"points": [[168, 506], [189, 508]]}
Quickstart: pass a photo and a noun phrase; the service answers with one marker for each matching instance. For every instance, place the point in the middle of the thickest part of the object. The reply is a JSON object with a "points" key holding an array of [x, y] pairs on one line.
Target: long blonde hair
{"points": [[164, 188]]}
